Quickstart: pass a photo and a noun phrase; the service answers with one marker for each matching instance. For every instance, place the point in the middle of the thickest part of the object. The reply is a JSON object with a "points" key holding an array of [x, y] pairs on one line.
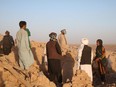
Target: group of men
{"points": [[56, 49]]}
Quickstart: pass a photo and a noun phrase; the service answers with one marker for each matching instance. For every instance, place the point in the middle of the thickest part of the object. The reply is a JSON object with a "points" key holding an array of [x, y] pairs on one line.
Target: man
{"points": [[63, 42], [26, 58], [8, 43], [53, 52], [85, 57]]}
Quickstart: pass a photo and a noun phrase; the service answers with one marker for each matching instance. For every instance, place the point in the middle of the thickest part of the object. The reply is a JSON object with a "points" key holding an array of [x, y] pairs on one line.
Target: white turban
{"points": [[85, 41]]}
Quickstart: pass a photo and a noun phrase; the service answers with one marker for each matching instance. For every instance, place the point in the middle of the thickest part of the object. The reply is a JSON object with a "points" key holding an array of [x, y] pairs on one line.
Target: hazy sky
{"points": [[82, 18]]}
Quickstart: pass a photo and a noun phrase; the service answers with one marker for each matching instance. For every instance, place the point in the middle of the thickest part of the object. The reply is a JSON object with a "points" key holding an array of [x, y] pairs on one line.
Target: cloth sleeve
{"points": [[79, 55], [91, 56], [47, 50]]}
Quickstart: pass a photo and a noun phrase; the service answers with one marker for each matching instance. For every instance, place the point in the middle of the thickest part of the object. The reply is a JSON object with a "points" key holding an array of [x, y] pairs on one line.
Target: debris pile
{"points": [[81, 79], [14, 76]]}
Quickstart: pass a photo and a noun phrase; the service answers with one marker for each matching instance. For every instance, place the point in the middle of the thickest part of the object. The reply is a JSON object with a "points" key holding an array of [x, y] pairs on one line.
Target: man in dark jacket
{"points": [[53, 52], [8, 43]]}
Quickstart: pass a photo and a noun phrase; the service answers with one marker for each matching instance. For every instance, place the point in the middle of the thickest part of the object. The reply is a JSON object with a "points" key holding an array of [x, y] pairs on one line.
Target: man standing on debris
{"points": [[100, 58], [54, 56], [8, 43], [26, 58], [85, 57], [63, 42]]}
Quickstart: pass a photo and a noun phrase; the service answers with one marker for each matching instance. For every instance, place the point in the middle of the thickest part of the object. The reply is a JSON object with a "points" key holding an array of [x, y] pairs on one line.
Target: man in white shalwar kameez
{"points": [[85, 57], [26, 58], [63, 42]]}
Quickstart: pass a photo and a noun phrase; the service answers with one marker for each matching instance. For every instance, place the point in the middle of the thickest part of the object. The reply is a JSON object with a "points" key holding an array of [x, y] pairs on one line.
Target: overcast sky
{"points": [[93, 19]]}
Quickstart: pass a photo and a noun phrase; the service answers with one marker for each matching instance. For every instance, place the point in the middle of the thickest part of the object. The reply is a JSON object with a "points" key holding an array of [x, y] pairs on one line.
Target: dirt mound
{"points": [[14, 76]]}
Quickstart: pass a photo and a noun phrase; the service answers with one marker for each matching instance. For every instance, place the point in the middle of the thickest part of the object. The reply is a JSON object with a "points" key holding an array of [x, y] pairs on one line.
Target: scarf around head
{"points": [[53, 36]]}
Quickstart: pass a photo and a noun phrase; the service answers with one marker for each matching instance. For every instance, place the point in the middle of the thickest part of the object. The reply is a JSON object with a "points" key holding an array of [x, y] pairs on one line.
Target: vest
{"points": [[86, 55]]}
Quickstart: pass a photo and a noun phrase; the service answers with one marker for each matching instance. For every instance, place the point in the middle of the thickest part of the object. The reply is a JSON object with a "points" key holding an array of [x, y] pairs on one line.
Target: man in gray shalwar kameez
{"points": [[26, 58]]}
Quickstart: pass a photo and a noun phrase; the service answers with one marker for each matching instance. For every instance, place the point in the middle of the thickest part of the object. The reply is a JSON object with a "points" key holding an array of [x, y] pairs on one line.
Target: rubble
{"points": [[11, 75], [81, 79], [14, 76]]}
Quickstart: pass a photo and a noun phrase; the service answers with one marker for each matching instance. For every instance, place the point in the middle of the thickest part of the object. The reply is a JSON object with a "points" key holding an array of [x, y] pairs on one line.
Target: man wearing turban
{"points": [[63, 42]]}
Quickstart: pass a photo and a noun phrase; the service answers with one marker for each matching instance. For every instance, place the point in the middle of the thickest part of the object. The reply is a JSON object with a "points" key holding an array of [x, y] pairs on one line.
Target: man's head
{"points": [[63, 31], [53, 36], [7, 33], [22, 24], [99, 42], [85, 41]]}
